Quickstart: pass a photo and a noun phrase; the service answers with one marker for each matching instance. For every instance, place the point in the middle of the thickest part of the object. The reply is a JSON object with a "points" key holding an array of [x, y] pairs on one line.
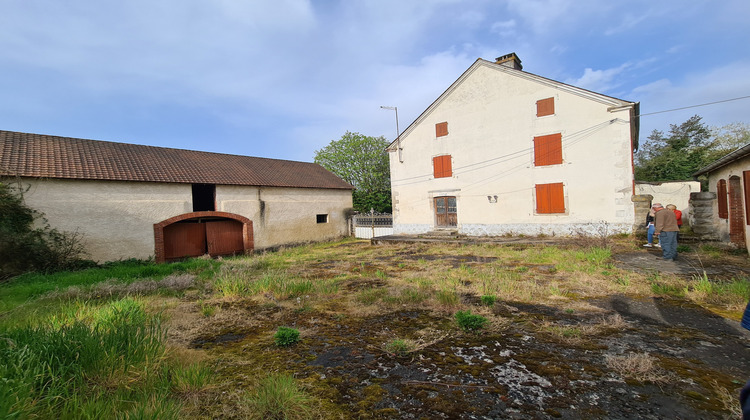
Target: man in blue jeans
{"points": [[745, 393], [666, 229]]}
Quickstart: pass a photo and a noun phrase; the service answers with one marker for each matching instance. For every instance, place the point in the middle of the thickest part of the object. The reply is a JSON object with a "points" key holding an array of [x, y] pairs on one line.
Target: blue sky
{"points": [[282, 78]]}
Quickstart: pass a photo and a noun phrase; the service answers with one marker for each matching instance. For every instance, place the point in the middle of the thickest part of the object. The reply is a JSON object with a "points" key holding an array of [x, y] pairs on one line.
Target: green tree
{"points": [[731, 137], [676, 156], [363, 162]]}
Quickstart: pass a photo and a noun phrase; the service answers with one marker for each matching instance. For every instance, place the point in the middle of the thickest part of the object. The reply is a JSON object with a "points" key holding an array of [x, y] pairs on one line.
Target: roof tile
{"points": [[37, 155]]}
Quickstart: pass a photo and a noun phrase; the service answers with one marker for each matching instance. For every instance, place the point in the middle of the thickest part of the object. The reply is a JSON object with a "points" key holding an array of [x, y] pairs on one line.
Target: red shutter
{"points": [[442, 167], [557, 198], [746, 180], [550, 198], [441, 129], [447, 166], [548, 150], [545, 107], [542, 198], [721, 197]]}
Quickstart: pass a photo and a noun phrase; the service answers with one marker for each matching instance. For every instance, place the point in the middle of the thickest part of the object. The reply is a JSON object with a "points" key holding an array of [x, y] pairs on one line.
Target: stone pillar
{"points": [[641, 204], [702, 215]]}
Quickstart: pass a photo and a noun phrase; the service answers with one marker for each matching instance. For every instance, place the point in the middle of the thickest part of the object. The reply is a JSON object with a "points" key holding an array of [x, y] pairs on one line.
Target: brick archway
{"points": [[247, 229]]}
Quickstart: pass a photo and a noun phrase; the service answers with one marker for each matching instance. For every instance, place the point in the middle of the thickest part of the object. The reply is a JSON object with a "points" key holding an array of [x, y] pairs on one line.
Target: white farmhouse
{"points": [[503, 151], [133, 201]]}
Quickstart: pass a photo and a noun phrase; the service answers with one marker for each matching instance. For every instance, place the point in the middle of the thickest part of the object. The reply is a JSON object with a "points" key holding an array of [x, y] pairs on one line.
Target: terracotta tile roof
{"points": [[36, 155]]}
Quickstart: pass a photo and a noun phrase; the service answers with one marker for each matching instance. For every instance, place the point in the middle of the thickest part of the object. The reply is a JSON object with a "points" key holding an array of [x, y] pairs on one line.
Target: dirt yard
{"points": [[555, 346]]}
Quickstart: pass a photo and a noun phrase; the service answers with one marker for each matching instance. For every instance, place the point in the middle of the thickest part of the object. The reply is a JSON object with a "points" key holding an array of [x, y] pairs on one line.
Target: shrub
{"points": [[470, 322], [488, 300], [25, 247], [286, 336]]}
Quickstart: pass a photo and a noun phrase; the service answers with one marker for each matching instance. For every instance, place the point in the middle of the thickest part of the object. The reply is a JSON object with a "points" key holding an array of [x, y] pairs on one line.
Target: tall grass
{"points": [[279, 283], [21, 289], [279, 397], [110, 364]]}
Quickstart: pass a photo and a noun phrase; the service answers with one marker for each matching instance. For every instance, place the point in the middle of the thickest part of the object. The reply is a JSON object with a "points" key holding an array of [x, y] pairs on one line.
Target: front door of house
{"points": [[445, 212]]}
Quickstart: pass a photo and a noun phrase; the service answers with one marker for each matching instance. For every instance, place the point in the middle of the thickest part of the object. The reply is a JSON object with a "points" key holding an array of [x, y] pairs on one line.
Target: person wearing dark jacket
{"points": [[665, 223]]}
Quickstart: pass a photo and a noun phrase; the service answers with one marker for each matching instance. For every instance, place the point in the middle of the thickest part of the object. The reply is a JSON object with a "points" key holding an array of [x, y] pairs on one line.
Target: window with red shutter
{"points": [[548, 150], [441, 129], [545, 107], [442, 166], [721, 198], [550, 198]]}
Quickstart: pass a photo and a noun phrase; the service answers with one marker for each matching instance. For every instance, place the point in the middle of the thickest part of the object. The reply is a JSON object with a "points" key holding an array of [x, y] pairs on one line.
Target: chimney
{"points": [[510, 60]]}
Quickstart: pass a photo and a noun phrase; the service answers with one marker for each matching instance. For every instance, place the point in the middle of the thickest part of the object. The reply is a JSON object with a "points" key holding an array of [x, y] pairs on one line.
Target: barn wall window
{"points": [[548, 150], [550, 198], [545, 107], [321, 218], [721, 199], [441, 129], [204, 197], [442, 166]]}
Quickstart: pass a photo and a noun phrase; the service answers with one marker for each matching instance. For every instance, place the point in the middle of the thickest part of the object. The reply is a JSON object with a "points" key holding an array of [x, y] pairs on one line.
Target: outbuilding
{"points": [[135, 201], [728, 214]]}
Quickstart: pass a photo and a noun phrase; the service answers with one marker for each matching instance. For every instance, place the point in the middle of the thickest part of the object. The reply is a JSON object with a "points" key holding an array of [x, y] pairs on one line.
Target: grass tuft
{"points": [[279, 397]]}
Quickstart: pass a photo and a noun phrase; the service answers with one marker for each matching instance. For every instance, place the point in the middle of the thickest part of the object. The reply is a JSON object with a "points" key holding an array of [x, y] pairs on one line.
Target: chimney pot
{"points": [[509, 60]]}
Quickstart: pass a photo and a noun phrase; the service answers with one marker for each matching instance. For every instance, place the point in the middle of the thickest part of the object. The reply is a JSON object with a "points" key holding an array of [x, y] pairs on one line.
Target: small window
{"points": [[545, 107], [550, 198], [322, 218], [441, 129], [204, 197], [548, 150], [442, 166], [721, 197]]}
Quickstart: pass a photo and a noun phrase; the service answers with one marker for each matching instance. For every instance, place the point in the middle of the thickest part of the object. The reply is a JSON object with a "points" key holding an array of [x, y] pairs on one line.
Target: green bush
{"points": [[286, 336], [470, 322], [24, 246], [488, 300]]}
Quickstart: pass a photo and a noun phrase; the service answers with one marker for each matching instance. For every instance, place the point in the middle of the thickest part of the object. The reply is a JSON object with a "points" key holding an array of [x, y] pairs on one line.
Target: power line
{"points": [[694, 106]]}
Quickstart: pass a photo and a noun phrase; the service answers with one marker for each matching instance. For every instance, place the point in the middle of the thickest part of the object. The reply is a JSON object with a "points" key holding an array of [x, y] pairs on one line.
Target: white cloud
{"points": [[599, 80]]}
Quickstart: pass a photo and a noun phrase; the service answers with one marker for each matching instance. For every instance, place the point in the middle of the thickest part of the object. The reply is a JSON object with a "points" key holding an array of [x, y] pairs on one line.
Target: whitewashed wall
{"points": [[117, 218], [677, 193], [492, 122]]}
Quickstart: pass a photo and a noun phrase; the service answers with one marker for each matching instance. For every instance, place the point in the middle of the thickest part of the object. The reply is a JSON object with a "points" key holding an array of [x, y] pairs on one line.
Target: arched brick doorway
{"points": [[202, 232]]}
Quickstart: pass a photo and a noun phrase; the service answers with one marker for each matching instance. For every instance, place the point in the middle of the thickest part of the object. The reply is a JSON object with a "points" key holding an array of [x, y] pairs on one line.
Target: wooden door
{"points": [[184, 240], [224, 237], [736, 212], [445, 212]]}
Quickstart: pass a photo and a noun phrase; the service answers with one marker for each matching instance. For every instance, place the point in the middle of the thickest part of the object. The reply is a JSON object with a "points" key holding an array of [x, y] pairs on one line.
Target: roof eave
{"points": [[726, 160]]}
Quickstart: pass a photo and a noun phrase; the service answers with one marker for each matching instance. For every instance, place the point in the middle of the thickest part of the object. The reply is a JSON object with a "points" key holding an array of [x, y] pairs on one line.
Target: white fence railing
{"points": [[368, 232], [370, 225]]}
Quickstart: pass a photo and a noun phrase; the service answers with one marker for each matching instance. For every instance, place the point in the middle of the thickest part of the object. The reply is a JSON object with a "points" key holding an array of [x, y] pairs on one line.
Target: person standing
{"points": [[665, 224], [677, 214], [650, 227]]}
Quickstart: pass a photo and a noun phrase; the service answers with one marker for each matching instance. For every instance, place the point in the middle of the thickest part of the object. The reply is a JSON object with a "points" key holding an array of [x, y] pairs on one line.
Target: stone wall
{"points": [[701, 215], [641, 204]]}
